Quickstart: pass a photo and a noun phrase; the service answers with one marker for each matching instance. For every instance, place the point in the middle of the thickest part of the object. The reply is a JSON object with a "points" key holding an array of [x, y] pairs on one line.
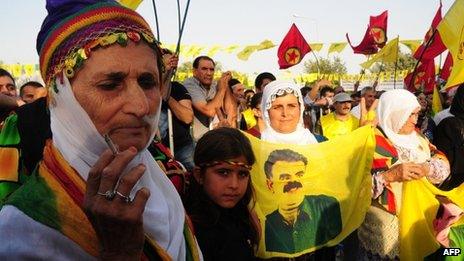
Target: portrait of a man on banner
{"points": [[300, 221], [310, 196]]}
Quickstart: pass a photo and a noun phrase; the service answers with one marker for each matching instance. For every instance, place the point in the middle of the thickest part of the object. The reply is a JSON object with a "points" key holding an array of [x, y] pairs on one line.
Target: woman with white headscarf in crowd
{"points": [[85, 201], [282, 107], [401, 155]]}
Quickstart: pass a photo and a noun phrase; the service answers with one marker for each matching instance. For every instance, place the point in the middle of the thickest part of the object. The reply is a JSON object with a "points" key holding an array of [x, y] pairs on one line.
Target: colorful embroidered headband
{"points": [[233, 163], [74, 27]]}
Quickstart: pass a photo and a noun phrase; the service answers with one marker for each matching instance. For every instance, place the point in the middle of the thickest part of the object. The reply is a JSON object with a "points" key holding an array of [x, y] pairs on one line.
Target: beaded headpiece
{"points": [[230, 162], [73, 28]]}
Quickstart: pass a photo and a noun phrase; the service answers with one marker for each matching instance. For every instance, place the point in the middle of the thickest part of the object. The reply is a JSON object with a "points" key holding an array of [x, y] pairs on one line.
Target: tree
{"points": [[326, 66], [405, 62], [185, 67]]}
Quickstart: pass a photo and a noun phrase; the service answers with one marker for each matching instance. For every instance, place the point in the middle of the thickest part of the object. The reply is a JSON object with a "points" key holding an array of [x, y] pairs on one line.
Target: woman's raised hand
{"points": [[117, 219], [365, 112]]}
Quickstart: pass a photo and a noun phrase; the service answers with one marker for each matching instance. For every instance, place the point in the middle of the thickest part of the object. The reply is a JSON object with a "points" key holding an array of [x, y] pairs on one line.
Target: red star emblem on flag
{"points": [[378, 34], [292, 49], [293, 56]]}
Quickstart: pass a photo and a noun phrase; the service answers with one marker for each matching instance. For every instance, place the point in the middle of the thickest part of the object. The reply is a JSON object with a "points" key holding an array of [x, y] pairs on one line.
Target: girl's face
{"points": [[224, 183]]}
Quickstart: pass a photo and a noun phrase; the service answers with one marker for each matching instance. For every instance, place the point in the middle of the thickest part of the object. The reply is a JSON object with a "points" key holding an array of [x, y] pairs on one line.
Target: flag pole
{"points": [[156, 21], [363, 71], [420, 57], [179, 24], [317, 64], [182, 27], [172, 72], [439, 67], [396, 63], [380, 71]]}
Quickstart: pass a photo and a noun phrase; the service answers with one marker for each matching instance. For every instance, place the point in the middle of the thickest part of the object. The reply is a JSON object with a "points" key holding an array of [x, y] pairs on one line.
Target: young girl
{"points": [[219, 194]]}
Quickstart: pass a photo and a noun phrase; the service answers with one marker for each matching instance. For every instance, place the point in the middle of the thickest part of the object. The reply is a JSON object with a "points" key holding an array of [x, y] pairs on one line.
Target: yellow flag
{"points": [[266, 44], [316, 46], [246, 52], [198, 51], [310, 77], [132, 4], [388, 53], [29, 69], [16, 70], [418, 210], [337, 47], [213, 50], [451, 30], [412, 44], [436, 101], [301, 178], [184, 50], [231, 48], [5, 67], [194, 50]]}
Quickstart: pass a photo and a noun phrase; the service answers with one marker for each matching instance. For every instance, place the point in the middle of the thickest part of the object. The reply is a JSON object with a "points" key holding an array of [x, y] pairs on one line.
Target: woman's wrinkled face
{"points": [[284, 113], [410, 124], [238, 92], [117, 87]]}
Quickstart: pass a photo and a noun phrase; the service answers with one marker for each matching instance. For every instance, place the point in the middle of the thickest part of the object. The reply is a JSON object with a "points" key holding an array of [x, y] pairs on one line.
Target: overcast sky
{"points": [[242, 22]]}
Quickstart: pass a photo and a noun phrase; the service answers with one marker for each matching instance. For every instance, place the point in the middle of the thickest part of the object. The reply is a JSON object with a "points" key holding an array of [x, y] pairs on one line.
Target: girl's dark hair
{"points": [[218, 145], [223, 144]]}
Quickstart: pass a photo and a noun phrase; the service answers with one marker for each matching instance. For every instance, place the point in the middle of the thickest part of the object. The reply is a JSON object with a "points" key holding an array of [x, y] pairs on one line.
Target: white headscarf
{"points": [[76, 137], [393, 111], [301, 135]]}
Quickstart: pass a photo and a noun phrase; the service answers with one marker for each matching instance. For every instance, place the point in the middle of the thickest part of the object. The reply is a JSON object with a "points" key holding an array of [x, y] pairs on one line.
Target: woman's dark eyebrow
{"points": [[115, 76]]}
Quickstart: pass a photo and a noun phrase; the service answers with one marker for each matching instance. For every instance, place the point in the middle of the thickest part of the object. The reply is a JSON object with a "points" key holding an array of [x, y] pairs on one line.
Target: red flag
{"points": [[447, 66], [436, 46], [424, 78], [378, 28], [292, 49], [375, 36], [367, 45]]}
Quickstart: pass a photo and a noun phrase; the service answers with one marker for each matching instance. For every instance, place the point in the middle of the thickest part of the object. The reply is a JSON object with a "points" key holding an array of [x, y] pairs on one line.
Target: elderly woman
{"points": [[282, 110], [401, 155], [85, 201], [282, 107]]}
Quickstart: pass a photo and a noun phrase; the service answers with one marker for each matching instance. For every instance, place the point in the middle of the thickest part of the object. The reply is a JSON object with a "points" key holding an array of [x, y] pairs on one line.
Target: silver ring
{"points": [[109, 195], [127, 199]]}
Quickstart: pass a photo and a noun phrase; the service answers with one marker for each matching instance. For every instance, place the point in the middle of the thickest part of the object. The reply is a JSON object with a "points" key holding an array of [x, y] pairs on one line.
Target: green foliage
{"points": [[326, 66], [185, 67], [405, 62]]}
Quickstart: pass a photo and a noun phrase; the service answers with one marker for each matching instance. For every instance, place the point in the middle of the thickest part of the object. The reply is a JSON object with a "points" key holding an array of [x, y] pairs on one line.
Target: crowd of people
{"points": [[110, 159]]}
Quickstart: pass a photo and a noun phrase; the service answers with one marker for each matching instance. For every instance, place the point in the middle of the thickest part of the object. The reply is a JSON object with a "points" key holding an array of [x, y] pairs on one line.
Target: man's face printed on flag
{"points": [[287, 184]]}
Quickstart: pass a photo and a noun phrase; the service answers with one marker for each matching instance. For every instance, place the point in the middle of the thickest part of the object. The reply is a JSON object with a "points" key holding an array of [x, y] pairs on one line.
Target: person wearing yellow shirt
{"points": [[369, 94], [340, 121]]}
